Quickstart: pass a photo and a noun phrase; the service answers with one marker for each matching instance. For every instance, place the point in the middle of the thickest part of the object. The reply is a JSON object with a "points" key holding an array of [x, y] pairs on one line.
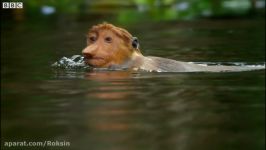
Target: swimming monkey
{"points": [[109, 46]]}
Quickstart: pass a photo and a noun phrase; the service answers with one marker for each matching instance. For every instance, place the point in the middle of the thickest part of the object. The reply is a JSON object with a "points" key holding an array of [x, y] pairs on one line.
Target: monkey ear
{"points": [[135, 42]]}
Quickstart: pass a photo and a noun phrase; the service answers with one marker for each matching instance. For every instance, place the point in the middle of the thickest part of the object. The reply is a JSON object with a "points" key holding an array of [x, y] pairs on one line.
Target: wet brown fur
{"points": [[120, 32]]}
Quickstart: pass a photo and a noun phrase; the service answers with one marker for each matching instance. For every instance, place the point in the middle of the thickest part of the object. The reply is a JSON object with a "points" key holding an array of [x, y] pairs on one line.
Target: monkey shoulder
{"points": [[159, 64]]}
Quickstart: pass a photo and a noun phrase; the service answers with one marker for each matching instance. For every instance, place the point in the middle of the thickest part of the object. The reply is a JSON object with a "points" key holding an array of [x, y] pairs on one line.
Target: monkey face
{"points": [[105, 48]]}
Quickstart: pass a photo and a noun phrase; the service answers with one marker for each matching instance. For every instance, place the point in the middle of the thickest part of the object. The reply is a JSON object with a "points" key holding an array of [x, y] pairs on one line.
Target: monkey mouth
{"points": [[95, 61]]}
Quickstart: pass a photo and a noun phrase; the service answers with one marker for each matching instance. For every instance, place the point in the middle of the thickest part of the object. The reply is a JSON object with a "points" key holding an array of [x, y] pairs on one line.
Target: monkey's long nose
{"points": [[89, 52]]}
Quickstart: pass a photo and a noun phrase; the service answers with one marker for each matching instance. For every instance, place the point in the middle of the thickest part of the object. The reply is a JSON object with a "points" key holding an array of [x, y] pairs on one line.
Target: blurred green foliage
{"points": [[134, 10]]}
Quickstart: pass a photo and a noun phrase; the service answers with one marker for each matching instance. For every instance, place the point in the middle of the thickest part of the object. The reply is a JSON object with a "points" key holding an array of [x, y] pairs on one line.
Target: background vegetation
{"points": [[129, 11]]}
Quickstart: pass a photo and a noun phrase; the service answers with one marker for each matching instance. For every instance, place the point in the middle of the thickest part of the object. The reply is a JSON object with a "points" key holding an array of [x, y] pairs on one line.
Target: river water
{"points": [[118, 110]]}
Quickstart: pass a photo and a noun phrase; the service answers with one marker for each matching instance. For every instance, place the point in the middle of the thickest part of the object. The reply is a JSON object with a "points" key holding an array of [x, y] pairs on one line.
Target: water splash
{"points": [[74, 62]]}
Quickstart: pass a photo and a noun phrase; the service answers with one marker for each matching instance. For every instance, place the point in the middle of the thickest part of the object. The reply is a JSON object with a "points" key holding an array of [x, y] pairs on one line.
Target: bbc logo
{"points": [[12, 5]]}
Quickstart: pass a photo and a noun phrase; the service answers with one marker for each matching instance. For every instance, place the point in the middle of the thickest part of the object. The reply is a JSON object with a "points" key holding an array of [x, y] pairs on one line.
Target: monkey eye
{"points": [[92, 39], [108, 39]]}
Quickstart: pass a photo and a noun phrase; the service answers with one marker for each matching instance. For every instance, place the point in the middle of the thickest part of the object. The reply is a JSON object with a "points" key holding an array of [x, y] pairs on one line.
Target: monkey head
{"points": [[109, 45]]}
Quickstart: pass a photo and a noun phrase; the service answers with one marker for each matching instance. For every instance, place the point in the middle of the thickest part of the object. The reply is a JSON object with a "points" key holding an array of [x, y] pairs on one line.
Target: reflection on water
{"points": [[118, 110], [116, 90]]}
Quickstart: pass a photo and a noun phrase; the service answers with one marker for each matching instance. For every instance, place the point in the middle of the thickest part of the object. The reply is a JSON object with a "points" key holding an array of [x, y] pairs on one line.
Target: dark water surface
{"points": [[119, 110]]}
